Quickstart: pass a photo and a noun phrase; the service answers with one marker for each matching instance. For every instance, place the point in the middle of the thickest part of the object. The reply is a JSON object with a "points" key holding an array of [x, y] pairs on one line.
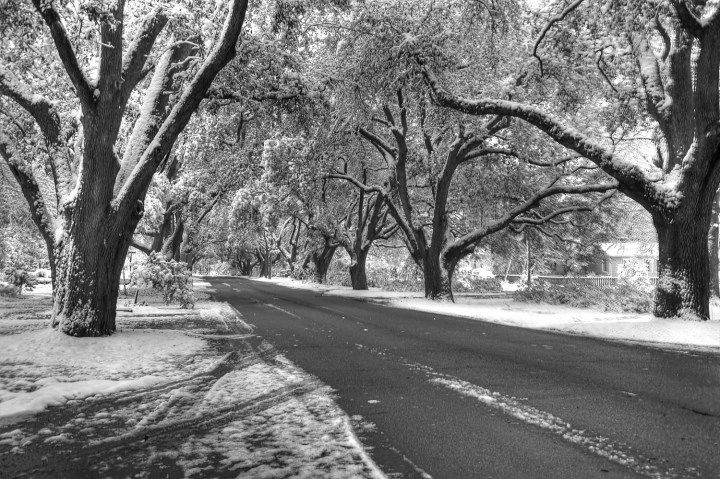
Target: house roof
{"points": [[633, 249]]}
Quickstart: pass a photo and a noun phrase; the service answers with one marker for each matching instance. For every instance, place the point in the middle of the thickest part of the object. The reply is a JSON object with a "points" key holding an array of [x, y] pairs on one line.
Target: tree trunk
{"points": [[358, 273], [322, 262], [246, 267], [438, 278], [88, 267], [683, 287], [171, 248], [713, 252]]}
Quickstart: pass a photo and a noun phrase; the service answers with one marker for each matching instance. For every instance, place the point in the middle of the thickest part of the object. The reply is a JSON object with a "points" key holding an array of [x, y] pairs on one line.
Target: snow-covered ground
{"points": [[210, 397], [642, 328]]}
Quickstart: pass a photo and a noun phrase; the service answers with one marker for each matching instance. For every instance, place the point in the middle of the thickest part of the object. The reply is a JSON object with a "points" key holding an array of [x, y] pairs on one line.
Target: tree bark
{"points": [[358, 272], [88, 265], [438, 275], [98, 209], [683, 270], [713, 248], [321, 260]]}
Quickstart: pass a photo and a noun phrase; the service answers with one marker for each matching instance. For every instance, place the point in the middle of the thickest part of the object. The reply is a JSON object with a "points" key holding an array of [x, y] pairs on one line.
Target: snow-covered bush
{"points": [[620, 297], [170, 277], [635, 272], [7, 290], [19, 279]]}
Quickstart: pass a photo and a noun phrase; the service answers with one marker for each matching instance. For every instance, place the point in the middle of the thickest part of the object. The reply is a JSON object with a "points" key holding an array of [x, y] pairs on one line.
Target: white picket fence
{"points": [[589, 280]]}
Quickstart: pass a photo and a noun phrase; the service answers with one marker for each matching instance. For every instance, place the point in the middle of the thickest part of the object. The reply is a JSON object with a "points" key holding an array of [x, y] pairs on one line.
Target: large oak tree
{"points": [[100, 175], [671, 50]]}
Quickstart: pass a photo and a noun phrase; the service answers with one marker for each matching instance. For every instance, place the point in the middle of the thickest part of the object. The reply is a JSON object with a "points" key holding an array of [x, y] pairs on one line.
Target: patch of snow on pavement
{"points": [[306, 436], [43, 367]]}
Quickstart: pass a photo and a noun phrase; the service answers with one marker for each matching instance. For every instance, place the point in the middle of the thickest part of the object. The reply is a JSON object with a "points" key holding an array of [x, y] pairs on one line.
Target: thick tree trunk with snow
{"points": [[99, 195], [88, 264], [713, 248], [438, 278], [678, 183], [683, 287], [321, 259], [358, 271]]}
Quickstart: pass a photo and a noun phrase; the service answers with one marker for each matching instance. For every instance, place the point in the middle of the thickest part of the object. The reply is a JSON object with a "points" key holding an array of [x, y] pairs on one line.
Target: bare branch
{"points": [[557, 18], [354, 181], [650, 76]]}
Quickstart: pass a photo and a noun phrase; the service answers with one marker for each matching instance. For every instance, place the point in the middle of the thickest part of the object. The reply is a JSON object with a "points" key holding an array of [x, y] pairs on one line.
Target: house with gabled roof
{"points": [[621, 254]]}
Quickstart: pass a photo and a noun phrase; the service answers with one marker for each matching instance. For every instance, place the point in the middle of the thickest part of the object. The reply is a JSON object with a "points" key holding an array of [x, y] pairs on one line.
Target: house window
{"points": [[605, 265]]}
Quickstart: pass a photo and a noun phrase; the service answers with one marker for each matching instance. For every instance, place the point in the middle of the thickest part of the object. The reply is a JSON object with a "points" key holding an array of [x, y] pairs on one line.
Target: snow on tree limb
{"points": [[630, 175], [41, 215], [557, 18], [155, 107], [65, 49], [222, 53], [650, 77], [46, 117], [135, 59], [462, 243]]}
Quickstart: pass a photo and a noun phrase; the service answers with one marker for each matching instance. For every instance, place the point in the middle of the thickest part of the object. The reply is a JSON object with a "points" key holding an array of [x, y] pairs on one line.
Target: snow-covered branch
{"points": [[46, 117], [135, 60], [65, 49], [461, 244], [41, 215], [222, 53], [632, 177]]}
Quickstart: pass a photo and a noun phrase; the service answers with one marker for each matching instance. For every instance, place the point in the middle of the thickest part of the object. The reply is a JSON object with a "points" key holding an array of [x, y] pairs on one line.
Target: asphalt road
{"points": [[456, 398]]}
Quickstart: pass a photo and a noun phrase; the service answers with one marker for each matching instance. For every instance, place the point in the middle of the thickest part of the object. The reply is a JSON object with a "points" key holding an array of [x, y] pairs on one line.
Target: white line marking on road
{"points": [[417, 468], [225, 284], [284, 311], [511, 406]]}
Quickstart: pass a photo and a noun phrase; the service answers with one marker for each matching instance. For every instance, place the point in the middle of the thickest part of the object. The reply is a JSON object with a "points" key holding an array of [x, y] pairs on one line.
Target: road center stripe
{"points": [[511, 406], [282, 310]]}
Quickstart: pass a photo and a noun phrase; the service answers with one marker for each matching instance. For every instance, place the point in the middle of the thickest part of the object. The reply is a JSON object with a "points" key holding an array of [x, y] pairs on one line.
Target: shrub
{"points": [[622, 297], [167, 276], [8, 290], [474, 284], [19, 279]]}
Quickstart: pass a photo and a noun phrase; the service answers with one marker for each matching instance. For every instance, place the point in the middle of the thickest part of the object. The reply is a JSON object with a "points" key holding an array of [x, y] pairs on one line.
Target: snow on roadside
{"points": [[43, 367], [298, 432], [579, 321], [167, 376]]}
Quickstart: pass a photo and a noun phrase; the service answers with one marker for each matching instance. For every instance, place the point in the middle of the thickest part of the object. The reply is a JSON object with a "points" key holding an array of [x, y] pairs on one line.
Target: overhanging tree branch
{"points": [[632, 178], [52, 19], [461, 245], [135, 60], [190, 99], [41, 215], [557, 18], [47, 118]]}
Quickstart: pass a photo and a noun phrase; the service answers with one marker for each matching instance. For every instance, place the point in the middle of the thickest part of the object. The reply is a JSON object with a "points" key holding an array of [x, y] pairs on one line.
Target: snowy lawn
{"points": [[188, 393], [585, 322]]}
